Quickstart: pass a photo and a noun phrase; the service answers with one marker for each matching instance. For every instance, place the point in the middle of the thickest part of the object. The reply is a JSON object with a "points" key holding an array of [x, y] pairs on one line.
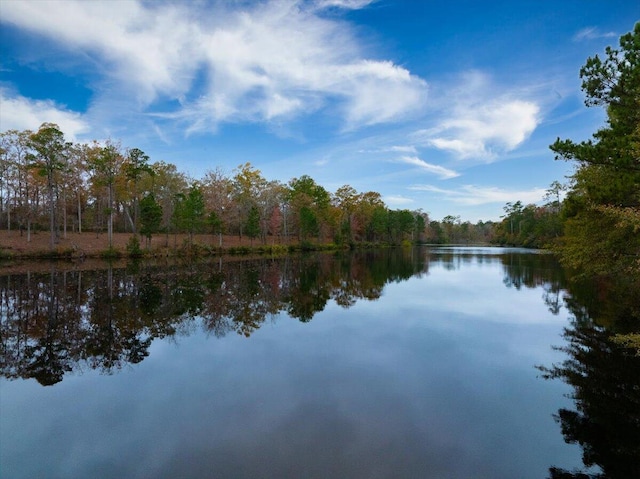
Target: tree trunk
{"points": [[52, 214], [79, 215], [110, 222]]}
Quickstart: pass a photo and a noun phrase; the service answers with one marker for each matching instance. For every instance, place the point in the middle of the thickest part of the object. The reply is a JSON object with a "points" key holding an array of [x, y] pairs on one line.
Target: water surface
{"points": [[415, 363]]}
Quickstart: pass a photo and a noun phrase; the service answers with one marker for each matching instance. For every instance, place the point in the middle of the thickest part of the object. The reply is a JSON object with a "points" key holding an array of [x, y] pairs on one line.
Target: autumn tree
{"points": [[247, 183], [310, 203], [168, 184], [217, 189], [344, 200], [18, 182], [135, 167], [49, 159], [105, 163]]}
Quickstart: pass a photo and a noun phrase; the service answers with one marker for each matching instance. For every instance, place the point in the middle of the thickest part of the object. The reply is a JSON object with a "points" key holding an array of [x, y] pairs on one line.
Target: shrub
{"points": [[133, 247], [111, 253]]}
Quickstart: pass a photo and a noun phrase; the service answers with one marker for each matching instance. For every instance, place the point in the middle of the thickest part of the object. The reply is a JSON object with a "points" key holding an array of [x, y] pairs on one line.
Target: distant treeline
{"points": [[48, 183]]}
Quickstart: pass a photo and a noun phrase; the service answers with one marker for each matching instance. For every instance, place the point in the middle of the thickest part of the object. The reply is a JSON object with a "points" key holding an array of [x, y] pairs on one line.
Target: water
{"points": [[415, 363]]}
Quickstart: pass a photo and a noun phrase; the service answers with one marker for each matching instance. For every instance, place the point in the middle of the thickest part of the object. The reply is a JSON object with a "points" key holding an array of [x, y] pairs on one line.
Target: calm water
{"points": [[375, 365]]}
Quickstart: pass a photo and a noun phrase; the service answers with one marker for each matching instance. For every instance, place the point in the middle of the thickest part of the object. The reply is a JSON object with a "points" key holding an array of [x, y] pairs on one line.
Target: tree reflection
{"points": [[605, 377], [62, 321]]}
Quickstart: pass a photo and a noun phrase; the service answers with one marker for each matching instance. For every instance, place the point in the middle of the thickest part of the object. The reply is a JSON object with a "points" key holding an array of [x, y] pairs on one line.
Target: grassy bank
{"points": [[15, 245]]}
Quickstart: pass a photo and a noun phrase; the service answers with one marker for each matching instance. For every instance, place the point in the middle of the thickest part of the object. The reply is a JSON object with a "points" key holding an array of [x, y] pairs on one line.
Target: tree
{"points": [[310, 203], [150, 216], [190, 210], [168, 183], [49, 159], [218, 189], [105, 163], [247, 183], [17, 179], [215, 223], [606, 185], [252, 226], [135, 166], [345, 199]]}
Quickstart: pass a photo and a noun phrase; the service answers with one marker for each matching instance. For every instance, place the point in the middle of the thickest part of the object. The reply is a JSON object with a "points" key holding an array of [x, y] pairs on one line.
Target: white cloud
{"points": [[482, 131], [404, 149], [397, 201], [379, 92], [476, 195], [20, 113], [153, 49], [440, 171], [479, 119], [347, 4], [592, 33], [225, 62]]}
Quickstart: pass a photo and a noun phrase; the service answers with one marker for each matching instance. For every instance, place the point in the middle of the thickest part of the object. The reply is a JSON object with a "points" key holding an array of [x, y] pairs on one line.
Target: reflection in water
{"points": [[63, 321], [56, 322], [60, 321], [429, 381], [605, 377]]}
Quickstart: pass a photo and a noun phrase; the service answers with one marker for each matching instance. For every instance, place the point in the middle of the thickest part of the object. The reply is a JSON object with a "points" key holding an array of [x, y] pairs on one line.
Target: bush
{"points": [[133, 247], [111, 253]]}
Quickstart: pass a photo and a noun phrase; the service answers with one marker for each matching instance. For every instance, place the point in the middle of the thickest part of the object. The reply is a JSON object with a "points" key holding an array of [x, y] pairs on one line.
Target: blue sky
{"points": [[444, 106]]}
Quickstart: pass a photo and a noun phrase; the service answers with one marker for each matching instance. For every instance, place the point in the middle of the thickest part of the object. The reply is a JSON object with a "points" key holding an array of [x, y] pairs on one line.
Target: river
{"points": [[414, 363]]}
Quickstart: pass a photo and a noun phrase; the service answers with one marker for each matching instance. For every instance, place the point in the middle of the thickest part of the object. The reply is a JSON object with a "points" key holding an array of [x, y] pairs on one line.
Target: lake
{"points": [[415, 363]]}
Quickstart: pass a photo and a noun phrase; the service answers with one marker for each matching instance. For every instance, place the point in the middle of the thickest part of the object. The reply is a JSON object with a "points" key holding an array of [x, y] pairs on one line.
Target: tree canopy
{"points": [[602, 207]]}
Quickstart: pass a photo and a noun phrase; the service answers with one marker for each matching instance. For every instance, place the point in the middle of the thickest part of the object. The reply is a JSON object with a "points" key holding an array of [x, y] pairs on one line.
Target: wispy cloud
{"points": [[397, 201], [268, 61], [404, 149], [440, 171], [483, 131], [480, 123], [20, 113], [347, 4], [592, 33], [476, 195]]}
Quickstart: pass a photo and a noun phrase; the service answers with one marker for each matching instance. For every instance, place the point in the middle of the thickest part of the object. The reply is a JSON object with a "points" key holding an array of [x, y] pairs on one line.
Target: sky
{"points": [[444, 106]]}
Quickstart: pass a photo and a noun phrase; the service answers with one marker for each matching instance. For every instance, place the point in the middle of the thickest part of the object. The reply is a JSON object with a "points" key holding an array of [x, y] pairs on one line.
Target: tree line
{"points": [[49, 183]]}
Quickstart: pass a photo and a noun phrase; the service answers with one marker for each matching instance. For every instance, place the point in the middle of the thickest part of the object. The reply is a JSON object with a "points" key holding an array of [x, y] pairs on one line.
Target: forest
{"points": [[50, 184]]}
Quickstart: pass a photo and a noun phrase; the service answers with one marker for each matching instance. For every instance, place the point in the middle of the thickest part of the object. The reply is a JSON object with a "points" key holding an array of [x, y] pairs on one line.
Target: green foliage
{"points": [[49, 160], [252, 228], [111, 253], [133, 247], [150, 216], [630, 340], [308, 222], [239, 250], [190, 210], [606, 185], [214, 222]]}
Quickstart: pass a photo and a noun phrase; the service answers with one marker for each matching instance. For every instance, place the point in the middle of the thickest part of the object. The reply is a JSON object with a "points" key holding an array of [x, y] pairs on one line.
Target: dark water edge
{"points": [[407, 363]]}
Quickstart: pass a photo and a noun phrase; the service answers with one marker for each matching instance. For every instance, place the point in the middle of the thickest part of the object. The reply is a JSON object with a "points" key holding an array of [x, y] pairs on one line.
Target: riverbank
{"points": [[14, 245]]}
